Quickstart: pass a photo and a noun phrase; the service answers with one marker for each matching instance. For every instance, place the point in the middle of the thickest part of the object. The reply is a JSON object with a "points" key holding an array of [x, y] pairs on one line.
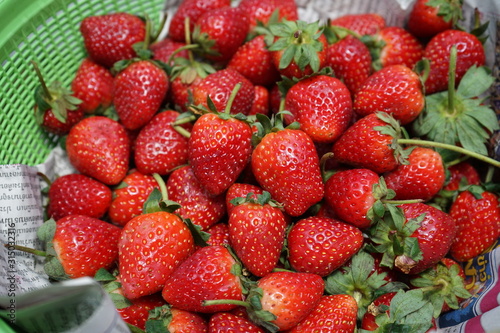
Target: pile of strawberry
{"points": [[254, 172]]}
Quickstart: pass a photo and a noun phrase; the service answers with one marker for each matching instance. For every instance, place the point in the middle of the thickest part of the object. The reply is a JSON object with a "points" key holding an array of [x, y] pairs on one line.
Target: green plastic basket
{"points": [[46, 31]]}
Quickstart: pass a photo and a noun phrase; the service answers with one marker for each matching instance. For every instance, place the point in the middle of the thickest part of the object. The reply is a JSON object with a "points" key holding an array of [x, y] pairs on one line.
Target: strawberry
{"points": [[321, 245], [470, 52], [262, 11], [395, 89], [208, 274], [219, 86], [334, 314], [159, 147], [218, 234], [196, 204], [254, 61], [260, 102], [99, 147], [226, 322], [285, 164], [192, 10], [461, 173], [78, 245], [225, 29], [151, 246], [140, 90], [362, 24], [351, 62], [322, 106], [257, 233], [130, 196], [137, 313], [241, 190], [109, 38], [165, 48], [170, 319], [477, 215], [77, 194], [427, 18], [422, 178]]}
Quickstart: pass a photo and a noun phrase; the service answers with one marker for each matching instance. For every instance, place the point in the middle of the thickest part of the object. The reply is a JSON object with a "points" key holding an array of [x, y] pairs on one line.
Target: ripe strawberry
{"points": [[171, 319], [263, 10], [99, 147], [225, 29], [159, 147], [129, 197], [362, 24], [208, 274], [351, 62], [218, 234], [196, 204], [226, 322], [165, 48], [470, 52], [241, 190], [151, 246], [422, 178], [477, 215], [396, 90], [109, 38], [461, 173], [140, 90], [254, 61], [137, 313], [333, 314], [396, 46], [321, 245], [212, 134], [219, 86], [78, 194], [322, 106], [285, 164], [78, 246], [427, 18], [257, 233], [191, 9], [261, 101]]}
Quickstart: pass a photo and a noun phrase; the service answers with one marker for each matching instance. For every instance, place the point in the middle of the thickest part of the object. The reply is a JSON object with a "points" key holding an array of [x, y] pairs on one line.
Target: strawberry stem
{"points": [[182, 131], [161, 184], [225, 301], [44, 178], [451, 79], [46, 90], [27, 250], [232, 97]]}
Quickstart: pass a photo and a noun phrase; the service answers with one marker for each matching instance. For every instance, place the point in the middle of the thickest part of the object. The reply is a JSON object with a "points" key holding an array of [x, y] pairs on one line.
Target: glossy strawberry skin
{"points": [[53, 125], [159, 148], [100, 148], [241, 190], [285, 164], [363, 24], [321, 105], [424, 21], [478, 222], [261, 10], [78, 194], [460, 171], [187, 322], [219, 234], [261, 101], [205, 275], [140, 90], [321, 245], [85, 244], [368, 323], [400, 47], [109, 38], [151, 247], [396, 90], [137, 313], [164, 49], [212, 135], [226, 322]]}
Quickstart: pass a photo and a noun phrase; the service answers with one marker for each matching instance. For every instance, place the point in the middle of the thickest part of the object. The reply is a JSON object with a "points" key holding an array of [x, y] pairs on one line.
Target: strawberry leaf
{"points": [[475, 82], [158, 320]]}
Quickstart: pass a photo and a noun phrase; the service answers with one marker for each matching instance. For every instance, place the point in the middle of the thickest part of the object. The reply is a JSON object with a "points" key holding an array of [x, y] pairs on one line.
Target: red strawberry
{"points": [[196, 204], [459, 173], [219, 86], [176, 320], [78, 194], [137, 313], [322, 106], [191, 9], [470, 52], [261, 101], [368, 323], [165, 48], [159, 147], [428, 18], [208, 274], [285, 164], [477, 215], [82, 245], [212, 134], [396, 90], [398, 47], [351, 62], [254, 61], [363, 24], [262, 11], [219, 234], [241, 190], [109, 38], [99, 147], [151, 246], [129, 197], [257, 233], [226, 28], [422, 178], [333, 314], [225, 322], [321, 245], [140, 90]]}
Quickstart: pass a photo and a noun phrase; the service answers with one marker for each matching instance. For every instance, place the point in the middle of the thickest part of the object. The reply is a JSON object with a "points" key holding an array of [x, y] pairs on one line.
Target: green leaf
{"points": [[412, 248], [46, 231], [475, 82], [120, 301], [287, 56], [103, 275], [54, 269]]}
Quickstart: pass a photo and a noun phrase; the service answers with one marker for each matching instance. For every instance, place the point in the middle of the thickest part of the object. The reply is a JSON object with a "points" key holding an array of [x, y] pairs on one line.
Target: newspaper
{"points": [[26, 291]]}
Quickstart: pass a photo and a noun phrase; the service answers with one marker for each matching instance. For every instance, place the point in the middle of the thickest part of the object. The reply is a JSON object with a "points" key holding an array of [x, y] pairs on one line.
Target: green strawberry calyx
{"points": [[449, 10], [260, 199]]}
